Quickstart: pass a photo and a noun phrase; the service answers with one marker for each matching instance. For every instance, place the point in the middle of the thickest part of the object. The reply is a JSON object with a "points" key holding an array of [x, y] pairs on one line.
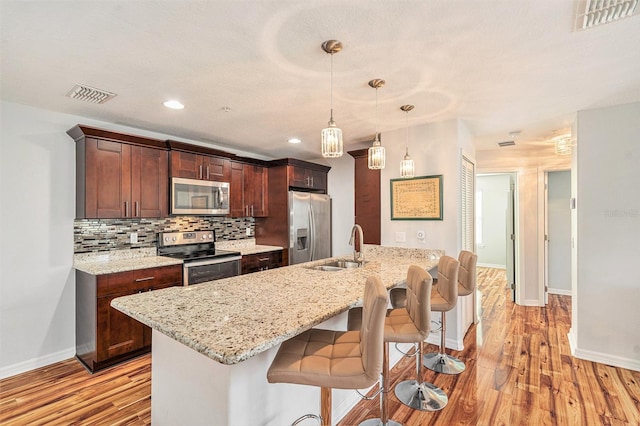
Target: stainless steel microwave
{"points": [[191, 196]]}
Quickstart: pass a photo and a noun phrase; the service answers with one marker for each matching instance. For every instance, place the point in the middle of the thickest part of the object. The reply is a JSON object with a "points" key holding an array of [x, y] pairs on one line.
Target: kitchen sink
{"points": [[337, 265]]}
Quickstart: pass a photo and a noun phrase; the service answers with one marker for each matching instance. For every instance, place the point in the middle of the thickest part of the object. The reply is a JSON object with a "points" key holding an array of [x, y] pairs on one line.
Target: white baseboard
{"points": [[607, 359], [559, 291], [531, 302], [32, 364], [492, 265], [572, 340]]}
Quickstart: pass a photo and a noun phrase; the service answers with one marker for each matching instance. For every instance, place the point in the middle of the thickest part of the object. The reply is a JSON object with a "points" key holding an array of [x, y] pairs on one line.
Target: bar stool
{"points": [[444, 296], [407, 325], [336, 359]]}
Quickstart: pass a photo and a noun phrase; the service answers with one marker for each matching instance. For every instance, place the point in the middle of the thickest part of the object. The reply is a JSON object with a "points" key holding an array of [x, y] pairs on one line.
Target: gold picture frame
{"points": [[418, 198]]}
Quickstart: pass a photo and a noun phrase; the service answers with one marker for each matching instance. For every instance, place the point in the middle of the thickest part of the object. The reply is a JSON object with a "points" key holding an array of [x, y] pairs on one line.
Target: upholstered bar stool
{"points": [[444, 296], [336, 359], [407, 325]]}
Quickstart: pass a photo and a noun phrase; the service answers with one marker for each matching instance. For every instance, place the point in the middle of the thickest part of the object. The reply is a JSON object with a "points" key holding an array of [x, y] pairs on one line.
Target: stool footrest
{"points": [[305, 417]]}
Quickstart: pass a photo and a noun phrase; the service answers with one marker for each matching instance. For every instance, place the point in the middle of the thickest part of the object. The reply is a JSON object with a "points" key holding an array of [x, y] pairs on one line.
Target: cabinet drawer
{"points": [[139, 280], [261, 261]]}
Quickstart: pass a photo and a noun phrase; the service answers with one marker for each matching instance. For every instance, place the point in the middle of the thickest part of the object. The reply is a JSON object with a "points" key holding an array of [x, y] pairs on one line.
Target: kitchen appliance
{"points": [[192, 196], [201, 260], [309, 226]]}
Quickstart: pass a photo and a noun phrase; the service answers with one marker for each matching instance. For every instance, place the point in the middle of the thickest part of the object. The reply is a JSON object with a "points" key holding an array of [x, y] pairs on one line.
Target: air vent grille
{"points": [[506, 143], [591, 13], [89, 94]]}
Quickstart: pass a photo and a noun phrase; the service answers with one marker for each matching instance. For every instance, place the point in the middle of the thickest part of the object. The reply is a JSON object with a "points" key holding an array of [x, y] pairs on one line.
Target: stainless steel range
{"points": [[202, 261]]}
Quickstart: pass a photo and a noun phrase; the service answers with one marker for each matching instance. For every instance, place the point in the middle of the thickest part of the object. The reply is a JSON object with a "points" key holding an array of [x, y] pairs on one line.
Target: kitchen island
{"points": [[213, 342]]}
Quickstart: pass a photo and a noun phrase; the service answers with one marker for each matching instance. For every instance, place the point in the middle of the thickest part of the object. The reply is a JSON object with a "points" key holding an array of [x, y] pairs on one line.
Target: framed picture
{"points": [[418, 198]]}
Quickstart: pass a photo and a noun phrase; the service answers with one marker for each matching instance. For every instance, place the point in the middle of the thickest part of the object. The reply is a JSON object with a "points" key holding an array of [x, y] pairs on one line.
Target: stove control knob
{"points": [[203, 237], [173, 238], [166, 239], [211, 236]]}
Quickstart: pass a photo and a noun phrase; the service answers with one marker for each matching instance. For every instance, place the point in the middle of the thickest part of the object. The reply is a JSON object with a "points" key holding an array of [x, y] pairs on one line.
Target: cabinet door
{"points": [[107, 179], [186, 165], [237, 206], [318, 180], [298, 177], [256, 190], [216, 168], [118, 333], [149, 187]]}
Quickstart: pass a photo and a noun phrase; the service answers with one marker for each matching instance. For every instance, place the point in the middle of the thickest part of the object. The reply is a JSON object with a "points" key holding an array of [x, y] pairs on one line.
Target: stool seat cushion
{"points": [[323, 358], [400, 328], [438, 303]]}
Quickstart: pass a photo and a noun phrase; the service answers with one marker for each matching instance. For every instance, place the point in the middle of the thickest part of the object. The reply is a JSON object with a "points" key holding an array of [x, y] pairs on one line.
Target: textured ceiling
{"points": [[497, 65]]}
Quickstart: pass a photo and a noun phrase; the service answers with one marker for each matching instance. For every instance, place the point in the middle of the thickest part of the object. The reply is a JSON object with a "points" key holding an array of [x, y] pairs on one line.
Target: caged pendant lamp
{"points": [[376, 156], [331, 135], [407, 168]]}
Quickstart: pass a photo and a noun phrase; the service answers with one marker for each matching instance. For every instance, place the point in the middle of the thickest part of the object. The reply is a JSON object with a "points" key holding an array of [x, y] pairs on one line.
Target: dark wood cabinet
{"points": [[198, 166], [367, 197], [307, 178], [104, 335], [118, 175], [248, 190], [261, 261]]}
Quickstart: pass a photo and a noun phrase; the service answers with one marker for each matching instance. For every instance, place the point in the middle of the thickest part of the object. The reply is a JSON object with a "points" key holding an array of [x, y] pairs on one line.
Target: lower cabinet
{"points": [[261, 261], [104, 335]]}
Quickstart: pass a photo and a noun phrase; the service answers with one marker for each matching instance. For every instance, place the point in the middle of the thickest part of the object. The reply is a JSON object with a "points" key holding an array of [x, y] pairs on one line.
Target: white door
{"points": [[558, 269]]}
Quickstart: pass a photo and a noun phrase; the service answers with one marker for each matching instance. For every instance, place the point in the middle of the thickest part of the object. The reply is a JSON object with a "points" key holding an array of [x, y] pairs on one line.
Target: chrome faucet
{"points": [[358, 256]]}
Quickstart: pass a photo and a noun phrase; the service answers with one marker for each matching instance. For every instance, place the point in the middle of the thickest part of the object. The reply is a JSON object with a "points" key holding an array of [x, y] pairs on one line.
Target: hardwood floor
{"points": [[519, 372]]}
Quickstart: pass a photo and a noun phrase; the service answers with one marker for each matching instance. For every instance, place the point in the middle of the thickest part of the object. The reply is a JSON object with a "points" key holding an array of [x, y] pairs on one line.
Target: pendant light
{"points": [[376, 155], [407, 168], [331, 135]]}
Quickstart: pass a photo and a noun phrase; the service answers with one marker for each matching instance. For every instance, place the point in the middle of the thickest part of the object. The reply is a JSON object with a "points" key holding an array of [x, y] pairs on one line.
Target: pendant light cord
{"points": [[376, 114], [331, 89], [407, 125]]}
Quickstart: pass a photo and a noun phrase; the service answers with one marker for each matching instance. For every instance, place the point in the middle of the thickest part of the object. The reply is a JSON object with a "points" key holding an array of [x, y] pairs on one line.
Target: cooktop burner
{"points": [[192, 245]]}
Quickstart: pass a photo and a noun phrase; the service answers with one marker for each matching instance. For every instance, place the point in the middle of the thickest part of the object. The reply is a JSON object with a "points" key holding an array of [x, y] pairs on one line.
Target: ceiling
{"points": [[498, 65]]}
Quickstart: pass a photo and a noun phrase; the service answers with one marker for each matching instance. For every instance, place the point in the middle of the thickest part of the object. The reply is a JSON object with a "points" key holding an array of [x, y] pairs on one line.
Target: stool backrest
{"points": [[418, 304], [467, 272], [374, 309], [447, 284]]}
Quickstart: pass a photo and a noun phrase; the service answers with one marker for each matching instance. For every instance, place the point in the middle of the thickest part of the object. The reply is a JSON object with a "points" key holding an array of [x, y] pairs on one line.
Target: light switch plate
{"points": [[248, 231], [133, 237], [401, 237]]}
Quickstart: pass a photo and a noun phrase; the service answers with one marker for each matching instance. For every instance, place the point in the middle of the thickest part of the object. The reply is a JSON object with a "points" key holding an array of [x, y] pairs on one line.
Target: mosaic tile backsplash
{"points": [[93, 235]]}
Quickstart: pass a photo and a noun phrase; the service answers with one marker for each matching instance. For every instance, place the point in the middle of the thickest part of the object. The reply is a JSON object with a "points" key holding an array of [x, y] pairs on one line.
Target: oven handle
{"points": [[211, 261]]}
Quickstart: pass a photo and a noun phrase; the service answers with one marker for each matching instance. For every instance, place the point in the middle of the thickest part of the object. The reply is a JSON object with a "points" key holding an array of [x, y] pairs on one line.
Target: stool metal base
{"points": [[421, 396], [378, 422], [443, 363]]}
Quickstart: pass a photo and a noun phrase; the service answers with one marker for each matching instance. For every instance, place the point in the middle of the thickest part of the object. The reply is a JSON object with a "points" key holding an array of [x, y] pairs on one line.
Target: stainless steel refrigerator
{"points": [[309, 227]]}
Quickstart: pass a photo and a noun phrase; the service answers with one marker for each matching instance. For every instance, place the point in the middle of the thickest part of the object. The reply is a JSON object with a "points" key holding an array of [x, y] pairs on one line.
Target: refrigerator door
{"points": [[321, 226], [300, 230]]}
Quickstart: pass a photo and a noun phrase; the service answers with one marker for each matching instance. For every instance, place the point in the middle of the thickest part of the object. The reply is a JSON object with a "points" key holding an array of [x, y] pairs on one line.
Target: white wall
{"points": [[37, 195], [606, 318], [493, 250]]}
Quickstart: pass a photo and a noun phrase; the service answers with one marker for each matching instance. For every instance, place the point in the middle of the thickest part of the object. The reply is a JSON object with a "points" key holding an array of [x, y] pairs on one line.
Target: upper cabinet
{"points": [[367, 197], [249, 190], [303, 175], [119, 175], [203, 167]]}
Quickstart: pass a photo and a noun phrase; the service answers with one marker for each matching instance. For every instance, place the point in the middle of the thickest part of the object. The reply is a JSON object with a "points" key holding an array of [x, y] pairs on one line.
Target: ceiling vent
{"points": [[89, 94], [591, 13], [506, 143]]}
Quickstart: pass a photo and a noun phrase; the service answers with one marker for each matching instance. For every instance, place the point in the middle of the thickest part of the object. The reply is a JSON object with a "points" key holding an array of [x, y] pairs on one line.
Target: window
{"points": [[467, 190]]}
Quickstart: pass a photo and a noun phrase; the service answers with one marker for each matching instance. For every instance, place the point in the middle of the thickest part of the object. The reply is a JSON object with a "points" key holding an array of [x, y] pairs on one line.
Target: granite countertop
{"points": [[246, 247], [232, 319], [120, 261]]}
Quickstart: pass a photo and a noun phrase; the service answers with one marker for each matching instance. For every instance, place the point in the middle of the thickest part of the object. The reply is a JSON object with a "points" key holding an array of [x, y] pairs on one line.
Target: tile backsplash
{"points": [[94, 235]]}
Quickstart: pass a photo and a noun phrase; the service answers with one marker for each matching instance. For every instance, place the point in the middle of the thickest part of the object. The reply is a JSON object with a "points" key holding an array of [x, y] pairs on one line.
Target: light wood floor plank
{"points": [[519, 372]]}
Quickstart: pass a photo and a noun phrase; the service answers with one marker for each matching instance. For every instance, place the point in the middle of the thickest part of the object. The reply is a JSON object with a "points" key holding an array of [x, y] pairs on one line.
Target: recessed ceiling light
{"points": [[294, 140], [173, 105]]}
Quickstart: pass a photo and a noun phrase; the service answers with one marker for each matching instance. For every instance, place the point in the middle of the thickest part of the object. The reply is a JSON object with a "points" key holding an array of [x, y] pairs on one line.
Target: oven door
{"points": [[199, 271]]}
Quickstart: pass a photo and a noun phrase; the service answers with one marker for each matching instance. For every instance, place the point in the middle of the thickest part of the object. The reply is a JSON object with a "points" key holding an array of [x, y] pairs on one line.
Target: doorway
{"points": [[557, 237], [496, 218]]}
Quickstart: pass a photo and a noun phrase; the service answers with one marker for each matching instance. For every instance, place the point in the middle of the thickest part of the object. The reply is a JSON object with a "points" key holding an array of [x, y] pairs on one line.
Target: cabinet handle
{"points": [[135, 203], [312, 181], [200, 167], [126, 208], [207, 172], [264, 259], [251, 209], [144, 279]]}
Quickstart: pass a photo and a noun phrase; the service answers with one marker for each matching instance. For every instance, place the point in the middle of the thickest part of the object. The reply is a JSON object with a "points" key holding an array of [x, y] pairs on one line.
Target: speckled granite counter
{"points": [[233, 319], [120, 261], [246, 247]]}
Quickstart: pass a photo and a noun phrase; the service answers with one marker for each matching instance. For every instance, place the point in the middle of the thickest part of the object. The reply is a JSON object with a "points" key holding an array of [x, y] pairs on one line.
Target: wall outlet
{"points": [[133, 238], [421, 235], [248, 232], [401, 237]]}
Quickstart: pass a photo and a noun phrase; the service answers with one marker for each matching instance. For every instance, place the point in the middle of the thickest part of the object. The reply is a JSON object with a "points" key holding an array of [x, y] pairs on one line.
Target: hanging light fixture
{"points": [[331, 135], [407, 168], [563, 145], [376, 155]]}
